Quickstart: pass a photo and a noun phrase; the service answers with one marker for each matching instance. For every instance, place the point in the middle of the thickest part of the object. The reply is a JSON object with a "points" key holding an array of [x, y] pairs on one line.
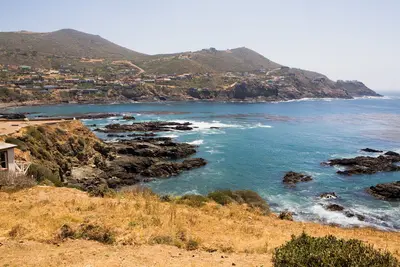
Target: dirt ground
{"points": [[93, 254], [9, 127]]}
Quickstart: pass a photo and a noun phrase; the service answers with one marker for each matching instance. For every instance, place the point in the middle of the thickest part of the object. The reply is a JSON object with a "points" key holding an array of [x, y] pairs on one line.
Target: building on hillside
{"points": [[7, 158]]}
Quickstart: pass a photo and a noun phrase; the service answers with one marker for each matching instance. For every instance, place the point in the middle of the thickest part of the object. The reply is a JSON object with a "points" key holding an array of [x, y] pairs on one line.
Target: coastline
{"points": [[247, 101]]}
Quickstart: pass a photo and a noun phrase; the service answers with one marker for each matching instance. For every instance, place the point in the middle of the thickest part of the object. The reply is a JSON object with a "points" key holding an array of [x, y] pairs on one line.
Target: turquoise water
{"points": [[257, 143]]}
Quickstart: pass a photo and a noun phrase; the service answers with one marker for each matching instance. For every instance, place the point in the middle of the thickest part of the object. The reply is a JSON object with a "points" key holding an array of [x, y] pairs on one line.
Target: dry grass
{"points": [[139, 218]]}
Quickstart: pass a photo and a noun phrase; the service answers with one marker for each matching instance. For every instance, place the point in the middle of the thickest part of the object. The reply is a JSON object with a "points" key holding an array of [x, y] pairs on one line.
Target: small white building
{"points": [[7, 157]]}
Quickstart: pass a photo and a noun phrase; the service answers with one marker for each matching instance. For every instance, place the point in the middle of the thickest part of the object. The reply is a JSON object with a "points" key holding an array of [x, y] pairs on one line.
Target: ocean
{"points": [[253, 145]]}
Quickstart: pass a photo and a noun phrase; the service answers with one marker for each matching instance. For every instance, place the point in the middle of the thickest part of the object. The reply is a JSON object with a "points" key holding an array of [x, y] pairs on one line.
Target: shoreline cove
{"points": [[252, 151]]}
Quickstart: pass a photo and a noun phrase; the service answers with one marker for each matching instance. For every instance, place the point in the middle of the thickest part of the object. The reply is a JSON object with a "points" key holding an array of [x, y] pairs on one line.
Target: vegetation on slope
{"points": [[62, 46], [330, 251], [55, 149]]}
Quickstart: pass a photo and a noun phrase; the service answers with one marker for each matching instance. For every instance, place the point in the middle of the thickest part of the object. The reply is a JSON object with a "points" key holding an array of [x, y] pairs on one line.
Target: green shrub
{"points": [[251, 198], [329, 251], [223, 197], [21, 144], [193, 200], [92, 232], [192, 245], [34, 132], [40, 173]]}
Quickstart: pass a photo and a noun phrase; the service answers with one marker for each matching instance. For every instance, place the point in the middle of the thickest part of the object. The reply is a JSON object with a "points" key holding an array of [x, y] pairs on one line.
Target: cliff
{"points": [[356, 88]]}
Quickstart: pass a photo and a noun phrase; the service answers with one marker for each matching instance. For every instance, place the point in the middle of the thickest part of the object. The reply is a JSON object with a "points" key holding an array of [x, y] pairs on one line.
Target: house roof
{"points": [[4, 146]]}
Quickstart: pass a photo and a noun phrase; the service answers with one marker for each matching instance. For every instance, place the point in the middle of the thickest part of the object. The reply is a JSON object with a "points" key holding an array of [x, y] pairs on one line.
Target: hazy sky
{"points": [[344, 39]]}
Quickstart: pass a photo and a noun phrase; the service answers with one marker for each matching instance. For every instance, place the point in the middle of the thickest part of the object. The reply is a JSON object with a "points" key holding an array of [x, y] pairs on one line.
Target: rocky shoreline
{"points": [[142, 158], [4, 106]]}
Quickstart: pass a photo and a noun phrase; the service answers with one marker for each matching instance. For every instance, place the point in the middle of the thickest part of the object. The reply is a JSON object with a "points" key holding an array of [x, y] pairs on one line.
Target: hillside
{"points": [[63, 46], [120, 74], [68, 46], [209, 60]]}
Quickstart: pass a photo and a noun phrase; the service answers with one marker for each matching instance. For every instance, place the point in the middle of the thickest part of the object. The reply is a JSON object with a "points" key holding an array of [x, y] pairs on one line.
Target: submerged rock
{"points": [[388, 191], [295, 177], [370, 150], [350, 214]]}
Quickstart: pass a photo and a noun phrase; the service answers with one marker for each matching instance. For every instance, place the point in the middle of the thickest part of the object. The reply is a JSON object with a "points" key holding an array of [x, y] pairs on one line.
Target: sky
{"points": [[343, 39]]}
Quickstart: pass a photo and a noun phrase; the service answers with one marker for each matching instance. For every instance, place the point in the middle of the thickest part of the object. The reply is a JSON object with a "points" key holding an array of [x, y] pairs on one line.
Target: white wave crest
{"points": [[204, 125], [170, 135], [196, 142]]}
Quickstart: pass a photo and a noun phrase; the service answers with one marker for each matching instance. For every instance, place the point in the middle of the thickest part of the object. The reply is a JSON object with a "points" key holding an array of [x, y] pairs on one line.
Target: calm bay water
{"points": [[256, 144]]}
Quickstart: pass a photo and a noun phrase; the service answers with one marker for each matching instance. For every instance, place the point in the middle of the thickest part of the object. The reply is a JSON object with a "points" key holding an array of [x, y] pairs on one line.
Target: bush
{"points": [[329, 251], [192, 245], [162, 240], [251, 198], [94, 232], [21, 144], [223, 197], [13, 182], [40, 173], [193, 200]]}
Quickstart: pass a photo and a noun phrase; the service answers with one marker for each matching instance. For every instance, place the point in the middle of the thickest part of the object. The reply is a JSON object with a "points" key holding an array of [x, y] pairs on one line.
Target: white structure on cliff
{"points": [[7, 157]]}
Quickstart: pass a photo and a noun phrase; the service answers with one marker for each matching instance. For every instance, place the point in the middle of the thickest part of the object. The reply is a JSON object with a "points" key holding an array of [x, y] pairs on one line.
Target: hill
{"points": [[239, 73], [64, 46], [68, 46], [209, 60]]}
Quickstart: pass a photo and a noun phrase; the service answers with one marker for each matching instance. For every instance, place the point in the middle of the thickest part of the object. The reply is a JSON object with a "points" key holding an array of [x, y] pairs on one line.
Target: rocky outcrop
{"points": [[152, 126], [388, 191], [367, 165], [12, 116], [292, 178], [72, 153], [161, 147], [356, 88]]}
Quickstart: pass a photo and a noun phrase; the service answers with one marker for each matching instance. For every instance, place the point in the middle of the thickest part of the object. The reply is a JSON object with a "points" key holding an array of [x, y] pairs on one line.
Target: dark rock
{"points": [[128, 117], [214, 127], [367, 165], [294, 177], [12, 116], [360, 217], [193, 163], [183, 128], [328, 195], [162, 147], [115, 135], [142, 135], [370, 150], [165, 169], [391, 153], [388, 191], [286, 215], [334, 207]]}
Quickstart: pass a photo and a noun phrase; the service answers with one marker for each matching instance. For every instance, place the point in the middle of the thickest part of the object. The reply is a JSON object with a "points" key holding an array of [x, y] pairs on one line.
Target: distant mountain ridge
{"points": [[83, 50]]}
